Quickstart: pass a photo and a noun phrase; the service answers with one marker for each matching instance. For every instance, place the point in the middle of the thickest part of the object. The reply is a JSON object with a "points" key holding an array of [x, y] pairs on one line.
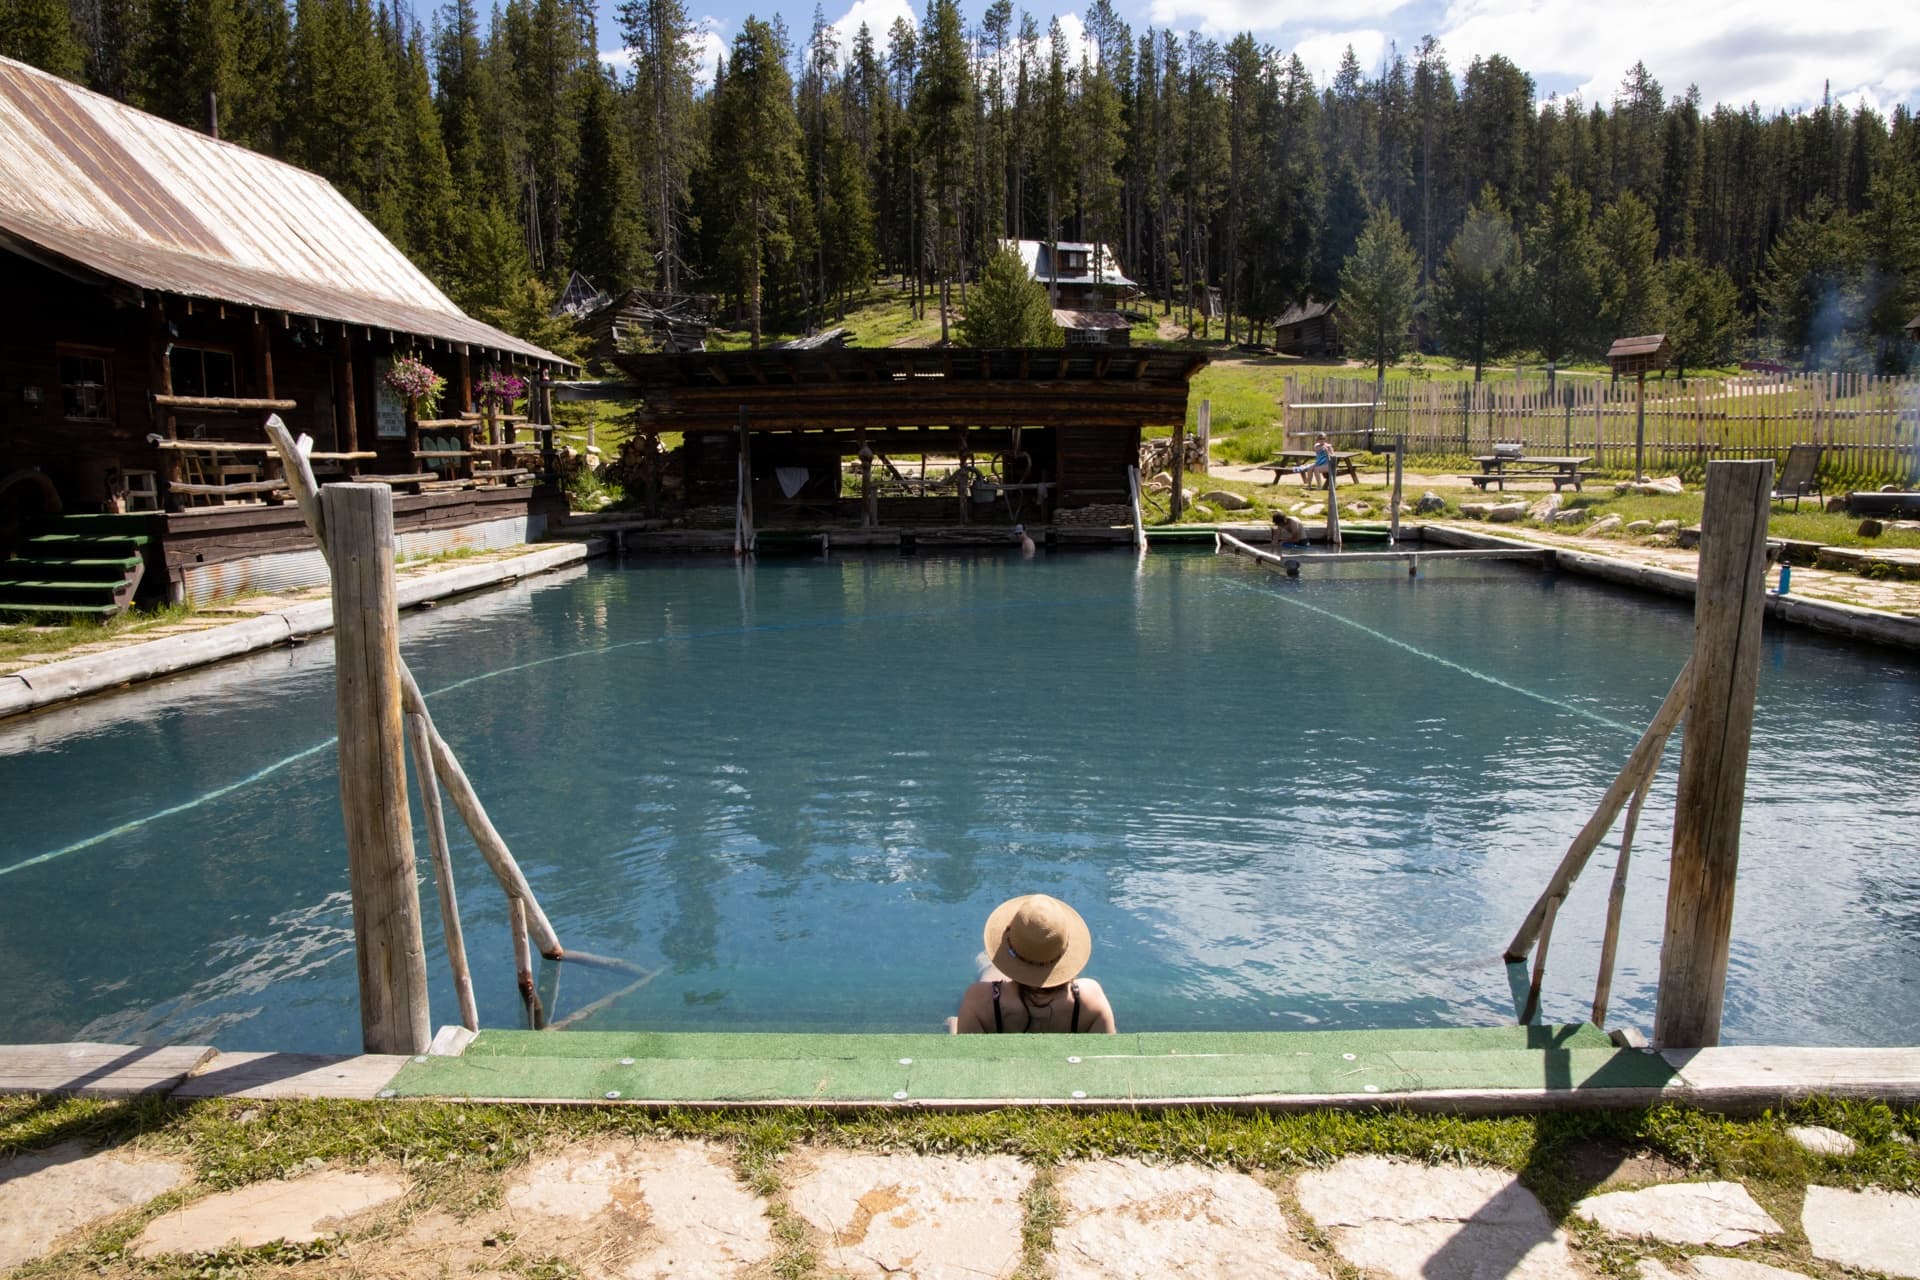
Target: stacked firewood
{"points": [[1157, 455]]}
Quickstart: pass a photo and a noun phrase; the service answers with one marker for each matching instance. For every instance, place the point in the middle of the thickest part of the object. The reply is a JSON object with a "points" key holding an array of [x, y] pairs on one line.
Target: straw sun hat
{"points": [[1037, 940]]}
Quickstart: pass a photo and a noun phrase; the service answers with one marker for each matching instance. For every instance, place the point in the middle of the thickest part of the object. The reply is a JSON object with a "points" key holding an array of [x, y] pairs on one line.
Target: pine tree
{"points": [[661, 36], [602, 227], [755, 129], [1378, 288], [1630, 301], [425, 192], [1560, 280], [40, 33], [1703, 319], [111, 32], [1474, 295], [942, 109], [1007, 308], [191, 50]]}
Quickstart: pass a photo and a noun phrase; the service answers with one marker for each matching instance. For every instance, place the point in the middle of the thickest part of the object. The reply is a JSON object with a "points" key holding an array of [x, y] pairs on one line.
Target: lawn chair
{"points": [[1801, 476]]}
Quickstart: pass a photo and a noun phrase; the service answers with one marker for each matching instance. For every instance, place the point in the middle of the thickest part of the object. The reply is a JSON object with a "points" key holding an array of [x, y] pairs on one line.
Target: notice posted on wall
{"points": [[389, 410]]}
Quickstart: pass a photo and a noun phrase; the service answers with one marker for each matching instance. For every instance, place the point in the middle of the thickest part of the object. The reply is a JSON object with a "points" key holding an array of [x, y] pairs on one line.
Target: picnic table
{"points": [[1287, 459], [1498, 468]]}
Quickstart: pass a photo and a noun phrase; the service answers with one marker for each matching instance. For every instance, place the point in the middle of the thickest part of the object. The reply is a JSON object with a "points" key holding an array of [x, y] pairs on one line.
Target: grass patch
{"points": [[25, 639]]}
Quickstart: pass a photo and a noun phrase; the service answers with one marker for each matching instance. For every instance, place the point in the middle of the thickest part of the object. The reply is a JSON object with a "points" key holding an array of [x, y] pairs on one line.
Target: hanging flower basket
{"points": [[414, 380], [497, 390]]}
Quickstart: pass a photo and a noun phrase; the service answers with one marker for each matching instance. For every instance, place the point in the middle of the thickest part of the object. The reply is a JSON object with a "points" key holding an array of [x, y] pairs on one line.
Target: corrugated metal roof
{"points": [[1301, 312], [144, 201], [1090, 319]]}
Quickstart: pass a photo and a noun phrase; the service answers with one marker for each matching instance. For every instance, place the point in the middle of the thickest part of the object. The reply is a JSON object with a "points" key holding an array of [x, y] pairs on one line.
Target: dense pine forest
{"points": [[501, 153]]}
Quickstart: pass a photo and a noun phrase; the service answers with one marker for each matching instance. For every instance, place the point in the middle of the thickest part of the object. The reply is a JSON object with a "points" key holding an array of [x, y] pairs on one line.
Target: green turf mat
{"points": [[850, 1068]]}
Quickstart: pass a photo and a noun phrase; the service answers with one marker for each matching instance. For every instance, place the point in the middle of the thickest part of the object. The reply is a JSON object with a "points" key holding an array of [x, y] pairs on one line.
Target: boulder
{"points": [[1200, 511], [1571, 515], [1158, 485], [1358, 510], [1508, 513], [1837, 502], [1476, 510], [1605, 524], [1226, 500], [1430, 503], [1163, 477], [1820, 1140], [1651, 488], [1638, 526], [1543, 510], [1667, 526], [1870, 529]]}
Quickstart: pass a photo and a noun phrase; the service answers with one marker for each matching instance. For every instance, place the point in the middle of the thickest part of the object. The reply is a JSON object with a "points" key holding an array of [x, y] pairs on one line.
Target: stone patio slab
{"points": [[1707, 1267], [52, 1193], [1126, 1220], [913, 1217], [299, 1211], [699, 1219], [1413, 1222], [1878, 1230], [1715, 1213]]}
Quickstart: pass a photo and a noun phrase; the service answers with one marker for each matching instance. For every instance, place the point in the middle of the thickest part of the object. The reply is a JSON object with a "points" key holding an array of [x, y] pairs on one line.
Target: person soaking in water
{"points": [[1036, 947]]}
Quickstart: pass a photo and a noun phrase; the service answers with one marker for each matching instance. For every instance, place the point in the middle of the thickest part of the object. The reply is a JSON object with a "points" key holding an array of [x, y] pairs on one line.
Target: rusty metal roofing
{"points": [[133, 197]]}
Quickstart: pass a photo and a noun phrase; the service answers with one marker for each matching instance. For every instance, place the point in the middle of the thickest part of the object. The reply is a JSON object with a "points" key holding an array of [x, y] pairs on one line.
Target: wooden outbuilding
{"points": [[1913, 328], [166, 292], [1308, 328], [1032, 434], [1650, 353]]}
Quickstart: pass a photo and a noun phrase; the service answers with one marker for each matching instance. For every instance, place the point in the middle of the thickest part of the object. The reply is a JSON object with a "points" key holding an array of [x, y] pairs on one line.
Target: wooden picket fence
{"points": [[1868, 426]]}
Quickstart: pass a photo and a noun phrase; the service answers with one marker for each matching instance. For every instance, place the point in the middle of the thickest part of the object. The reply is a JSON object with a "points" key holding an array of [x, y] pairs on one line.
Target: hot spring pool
{"points": [[796, 789]]}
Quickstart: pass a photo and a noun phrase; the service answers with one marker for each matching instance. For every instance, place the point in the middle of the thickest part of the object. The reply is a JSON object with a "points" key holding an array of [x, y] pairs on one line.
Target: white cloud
{"points": [[879, 15], [621, 60], [1779, 53], [713, 44], [1768, 51], [1269, 18]]}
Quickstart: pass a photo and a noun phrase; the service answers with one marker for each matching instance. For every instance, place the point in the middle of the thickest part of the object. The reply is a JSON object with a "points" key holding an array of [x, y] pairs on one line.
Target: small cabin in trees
{"points": [[165, 292], [1913, 328], [1308, 328], [1639, 356]]}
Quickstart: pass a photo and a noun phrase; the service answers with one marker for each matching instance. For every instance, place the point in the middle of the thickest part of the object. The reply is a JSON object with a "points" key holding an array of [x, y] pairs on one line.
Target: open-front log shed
{"points": [[165, 291], [1038, 432]]}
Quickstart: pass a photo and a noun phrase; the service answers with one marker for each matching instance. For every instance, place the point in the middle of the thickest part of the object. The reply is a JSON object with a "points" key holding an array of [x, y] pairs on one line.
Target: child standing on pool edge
{"points": [[1036, 946]]}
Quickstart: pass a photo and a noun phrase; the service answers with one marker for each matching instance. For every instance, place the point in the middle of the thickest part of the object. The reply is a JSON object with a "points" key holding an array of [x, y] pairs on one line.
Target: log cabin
{"points": [[166, 292]]}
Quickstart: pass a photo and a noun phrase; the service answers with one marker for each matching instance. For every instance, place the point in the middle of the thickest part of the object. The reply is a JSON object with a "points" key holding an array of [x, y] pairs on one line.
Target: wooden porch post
{"points": [[1713, 760], [349, 421], [160, 377], [1179, 469], [390, 955]]}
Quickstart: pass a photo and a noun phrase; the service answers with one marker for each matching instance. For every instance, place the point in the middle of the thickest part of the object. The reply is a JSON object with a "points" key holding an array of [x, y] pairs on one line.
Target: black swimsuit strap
{"points": [[997, 1024], [1075, 1024]]}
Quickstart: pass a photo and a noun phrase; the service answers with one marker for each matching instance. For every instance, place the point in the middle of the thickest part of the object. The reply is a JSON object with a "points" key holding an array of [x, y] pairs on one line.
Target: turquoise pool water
{"points": [[795, 790]]}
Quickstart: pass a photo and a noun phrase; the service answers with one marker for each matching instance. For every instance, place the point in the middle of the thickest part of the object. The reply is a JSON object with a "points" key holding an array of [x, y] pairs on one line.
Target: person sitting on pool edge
{"points": [[1037, 946]]}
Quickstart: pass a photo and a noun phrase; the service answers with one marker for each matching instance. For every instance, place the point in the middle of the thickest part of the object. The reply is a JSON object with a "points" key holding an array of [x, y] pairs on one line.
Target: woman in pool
{"points": [[1036, 947]]}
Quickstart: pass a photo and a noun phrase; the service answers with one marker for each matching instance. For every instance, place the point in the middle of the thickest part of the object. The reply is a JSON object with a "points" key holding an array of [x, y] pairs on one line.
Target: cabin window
{"points": [[202, 371], [1074, 260], [84, 385]]}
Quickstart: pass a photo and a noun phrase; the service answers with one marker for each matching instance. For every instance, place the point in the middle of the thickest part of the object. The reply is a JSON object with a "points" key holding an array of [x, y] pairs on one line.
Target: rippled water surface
{"points": [[795, 791]]}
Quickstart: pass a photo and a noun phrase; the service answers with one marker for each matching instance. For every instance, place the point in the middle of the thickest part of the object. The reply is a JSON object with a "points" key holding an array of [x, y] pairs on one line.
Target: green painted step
{"points": [[744, 1067], [111, 522], [8, 582], [64, 544], [98, 611], [112, 569]]}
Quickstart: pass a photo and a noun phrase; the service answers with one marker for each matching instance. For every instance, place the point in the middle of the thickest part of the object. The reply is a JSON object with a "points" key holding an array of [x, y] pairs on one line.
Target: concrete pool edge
{"points": [[1476, 1082], [62, 680]]}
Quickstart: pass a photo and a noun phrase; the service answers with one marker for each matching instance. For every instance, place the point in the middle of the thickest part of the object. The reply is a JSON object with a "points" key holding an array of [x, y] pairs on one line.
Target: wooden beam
{"points": [[1728, 606], [390, 955], [226, 404]]}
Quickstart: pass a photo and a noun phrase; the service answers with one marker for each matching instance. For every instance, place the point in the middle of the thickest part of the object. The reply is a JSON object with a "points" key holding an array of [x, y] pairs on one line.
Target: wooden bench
{"points": [[1285, 461]]}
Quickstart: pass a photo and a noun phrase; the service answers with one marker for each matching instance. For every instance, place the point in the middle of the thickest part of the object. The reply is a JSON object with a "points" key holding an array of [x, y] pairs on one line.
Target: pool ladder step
{"points": [[78, 568]]}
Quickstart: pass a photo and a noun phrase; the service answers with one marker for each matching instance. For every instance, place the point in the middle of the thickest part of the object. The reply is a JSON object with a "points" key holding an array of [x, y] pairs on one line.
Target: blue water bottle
{"points": [[1786, 577]]}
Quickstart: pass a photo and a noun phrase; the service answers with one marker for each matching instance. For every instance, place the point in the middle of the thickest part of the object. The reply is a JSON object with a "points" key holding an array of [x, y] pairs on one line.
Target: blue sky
{"points": [[1774, 52]]}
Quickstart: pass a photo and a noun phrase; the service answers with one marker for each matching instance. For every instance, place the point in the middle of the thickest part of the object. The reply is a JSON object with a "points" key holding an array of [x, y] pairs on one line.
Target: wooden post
{"points": [[1641, 762], [1399, 463], [373, 778], [349, 422], [1616, 902], [1640, 431], [869, 502], [743, 491], [263, 357], [418, 740], [1713, 760], [1139, 525], [1179, 469], [523, 962], [1333, 503], [1206, 436]]}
